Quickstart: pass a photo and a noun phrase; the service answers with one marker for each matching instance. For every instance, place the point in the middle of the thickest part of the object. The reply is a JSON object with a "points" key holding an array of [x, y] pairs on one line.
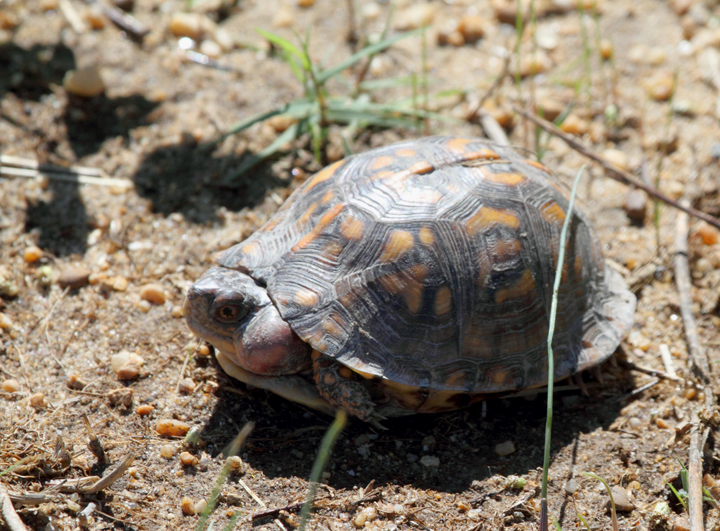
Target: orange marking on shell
{"points": [[505, 248], [474, 345], [392, 284], [306, 298], [328, 196], [250, 248], [414, 288], [382, 175], [481, 154], [352, 228], [456, 380], [331, 325], [422, 166], [508, 179], [328, 217], [305, 241], [553, 213], [499, 377], [332, 251], [400, 242], [524, 287], [308, 214], [329, 379], [270, 225], [382, 161], [366, 375], [458, 144], [345, 373], [323, 175], [406, 152], [426, 236], [487, 216], [537, 165], [443, 300], [316, 355], [578, 265]]}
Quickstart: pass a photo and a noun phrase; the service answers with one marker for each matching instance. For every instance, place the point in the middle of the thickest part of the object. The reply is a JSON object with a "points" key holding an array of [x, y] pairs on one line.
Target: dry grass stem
{"points": [[12, 520], [110, 478], [613, 171]]}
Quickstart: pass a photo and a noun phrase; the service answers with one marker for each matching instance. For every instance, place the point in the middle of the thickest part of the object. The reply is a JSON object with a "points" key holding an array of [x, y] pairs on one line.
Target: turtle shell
{"points": [[430, 264]]}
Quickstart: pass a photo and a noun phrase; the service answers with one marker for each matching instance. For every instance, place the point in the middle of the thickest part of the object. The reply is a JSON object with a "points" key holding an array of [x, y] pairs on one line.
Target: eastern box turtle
{"points": [[412, 278]]}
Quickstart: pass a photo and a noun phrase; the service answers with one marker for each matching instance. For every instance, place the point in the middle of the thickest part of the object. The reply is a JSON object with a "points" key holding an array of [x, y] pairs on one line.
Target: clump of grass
{"points": [[682, 494], [318, 108], [551, 357]]}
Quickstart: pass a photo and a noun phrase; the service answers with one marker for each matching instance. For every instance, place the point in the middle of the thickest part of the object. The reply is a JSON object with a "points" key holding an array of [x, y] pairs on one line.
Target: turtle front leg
{"points": [[335, 383]]}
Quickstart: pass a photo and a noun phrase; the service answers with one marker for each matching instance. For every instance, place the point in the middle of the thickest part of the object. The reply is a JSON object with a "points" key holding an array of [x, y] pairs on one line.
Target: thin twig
{"points": [[259, 502], [613, 171], [493, 129], [124, 21], [698, 357], [652, 372], [31, 169], [270, 513], [496, 85], [12, 520], [668, 362], [110, 478], [72, 16]]}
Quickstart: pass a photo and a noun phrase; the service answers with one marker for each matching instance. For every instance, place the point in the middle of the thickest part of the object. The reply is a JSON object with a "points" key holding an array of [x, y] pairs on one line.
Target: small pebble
{"points": [[95, 18], [122, 358], [660, 87], [188, 506], [203, 350], [236, 465], [37, 400], [281, 122], [167, 451], [190, 25], [505, 448], [681, 524], [144, 306], [415, 16], [75, 382], [516, 482], [635, 206], [707, 233], [428, 443], [73, 277], [10, 386], [187, 386], [32, 254], [571, 486], [211, 48], [188, 459], [5, 322], [430, 461], [200, 506], [283, 18], [153, 293], [177, 311], [172, 428], [471, 27], [661, 509], [618, 158], [368, 514], [120, 283], [86, 82], [129, 371], [574, 125], [305, 3], [534, 64], [690, 393], [606, 49], [371, 11], [120, 397], [661, 423], [550, 109], [623, 499], [144, 410]]}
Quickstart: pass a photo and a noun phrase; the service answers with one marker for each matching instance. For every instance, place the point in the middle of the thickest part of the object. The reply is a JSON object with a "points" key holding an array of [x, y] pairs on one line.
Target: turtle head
{"points": [[230, 311]]}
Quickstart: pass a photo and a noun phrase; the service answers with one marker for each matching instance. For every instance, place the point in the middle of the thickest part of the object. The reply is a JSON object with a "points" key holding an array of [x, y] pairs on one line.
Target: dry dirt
{"points": [[153, 125]]}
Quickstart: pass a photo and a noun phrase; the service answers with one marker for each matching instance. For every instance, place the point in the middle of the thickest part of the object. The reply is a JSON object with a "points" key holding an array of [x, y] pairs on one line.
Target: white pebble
{"points": [[505, 448], [430, 461]]}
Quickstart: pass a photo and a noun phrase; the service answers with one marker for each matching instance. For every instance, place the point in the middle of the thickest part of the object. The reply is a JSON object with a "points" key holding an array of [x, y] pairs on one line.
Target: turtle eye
{"points": [[230, 313]]}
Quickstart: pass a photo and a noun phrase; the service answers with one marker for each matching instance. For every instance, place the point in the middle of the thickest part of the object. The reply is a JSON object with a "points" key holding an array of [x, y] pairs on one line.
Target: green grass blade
{"points": [[679, 496], [582, 519], [612, 501], [222, 476], [288, 47], [291, 133], [551, 332], [13, 467], [331, 72], [326, 447]]}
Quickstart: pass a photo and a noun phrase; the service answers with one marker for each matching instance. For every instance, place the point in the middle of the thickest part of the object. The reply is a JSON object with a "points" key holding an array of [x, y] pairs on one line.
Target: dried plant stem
{"points": [[8, 513], [551, 357], [613, 171], [701, 367]]}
